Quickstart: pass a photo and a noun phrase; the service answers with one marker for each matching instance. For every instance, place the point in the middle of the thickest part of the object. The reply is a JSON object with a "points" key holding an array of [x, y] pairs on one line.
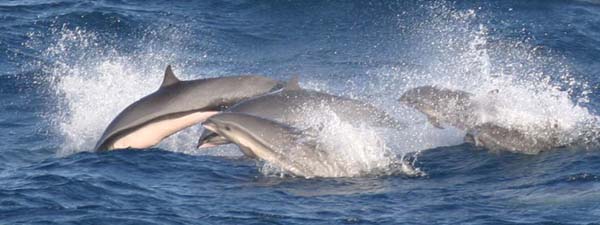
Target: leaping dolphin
{"points": [[286, 147], [458, 109], [293, 106], [177, 105]]}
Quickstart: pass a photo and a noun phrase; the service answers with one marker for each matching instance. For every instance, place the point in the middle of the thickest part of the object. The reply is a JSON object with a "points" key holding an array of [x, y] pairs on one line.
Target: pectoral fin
{"points": [[247, 151]]}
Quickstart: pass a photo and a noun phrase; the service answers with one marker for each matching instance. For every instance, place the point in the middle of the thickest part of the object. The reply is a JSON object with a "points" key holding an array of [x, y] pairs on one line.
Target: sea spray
{"points": [[92, 81], [519, 85], [352, 149]]}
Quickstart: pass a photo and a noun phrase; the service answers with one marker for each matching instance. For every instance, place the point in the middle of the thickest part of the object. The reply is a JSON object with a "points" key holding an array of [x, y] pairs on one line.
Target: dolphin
{"points": [[458, 109], [293, 106], [498, 138], [177, 105], [286, 147]]}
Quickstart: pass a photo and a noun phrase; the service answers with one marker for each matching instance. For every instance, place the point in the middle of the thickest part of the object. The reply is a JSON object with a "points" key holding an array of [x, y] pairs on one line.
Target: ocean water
{"points": [[68, 67]]}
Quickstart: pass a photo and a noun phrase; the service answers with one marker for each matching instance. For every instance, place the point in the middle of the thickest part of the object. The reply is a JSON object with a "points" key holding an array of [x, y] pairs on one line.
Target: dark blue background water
{"points": [[328, 43]]}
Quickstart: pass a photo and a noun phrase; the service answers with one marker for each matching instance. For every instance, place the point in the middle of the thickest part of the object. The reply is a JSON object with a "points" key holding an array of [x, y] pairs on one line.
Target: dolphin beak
{"points": [[204, 138]]}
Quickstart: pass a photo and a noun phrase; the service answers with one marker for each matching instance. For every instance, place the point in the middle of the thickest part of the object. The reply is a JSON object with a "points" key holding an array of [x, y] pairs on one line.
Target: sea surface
{"points": [[68, 67]]}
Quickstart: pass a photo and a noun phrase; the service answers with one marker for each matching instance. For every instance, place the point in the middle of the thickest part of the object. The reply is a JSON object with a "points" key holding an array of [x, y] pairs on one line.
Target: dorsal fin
{"points": [[292, 84], [169, 78]]}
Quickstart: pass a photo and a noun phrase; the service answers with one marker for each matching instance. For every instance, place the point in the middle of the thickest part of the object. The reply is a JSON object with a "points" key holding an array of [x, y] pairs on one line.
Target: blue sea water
{"points": [[68, 67]]}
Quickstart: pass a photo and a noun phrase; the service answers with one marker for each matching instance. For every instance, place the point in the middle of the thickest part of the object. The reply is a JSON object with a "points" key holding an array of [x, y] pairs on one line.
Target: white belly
{"points": [[152, 133]]}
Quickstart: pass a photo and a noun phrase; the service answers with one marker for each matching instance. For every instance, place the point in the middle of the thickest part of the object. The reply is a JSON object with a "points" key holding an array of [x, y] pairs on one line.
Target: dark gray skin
{"points": [[292, 106], [456, 108], [281, 145], [177, 98]]}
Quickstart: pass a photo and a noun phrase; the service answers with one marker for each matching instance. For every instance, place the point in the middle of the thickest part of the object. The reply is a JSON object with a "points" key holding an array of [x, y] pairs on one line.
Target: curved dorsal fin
{"points": [[169, 78], [292, 84]]}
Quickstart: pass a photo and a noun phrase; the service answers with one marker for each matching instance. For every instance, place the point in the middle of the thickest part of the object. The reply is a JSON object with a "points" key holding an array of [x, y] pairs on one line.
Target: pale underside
{"points": [[152, 133]]}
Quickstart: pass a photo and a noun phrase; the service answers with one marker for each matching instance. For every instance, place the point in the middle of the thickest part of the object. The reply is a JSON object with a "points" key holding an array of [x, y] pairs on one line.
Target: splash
{"points": [[92, 81], [534, 87], [351, 149]]}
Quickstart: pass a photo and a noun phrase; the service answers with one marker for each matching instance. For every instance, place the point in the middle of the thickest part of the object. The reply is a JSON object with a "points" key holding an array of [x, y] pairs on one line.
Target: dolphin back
{"points": [[295, 106]]}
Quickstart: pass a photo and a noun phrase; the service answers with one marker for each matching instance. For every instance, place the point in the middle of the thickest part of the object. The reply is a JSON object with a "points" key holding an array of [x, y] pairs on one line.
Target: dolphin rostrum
{"points": [[294, 106], [177, 105], [286, 147], [458, 109]]}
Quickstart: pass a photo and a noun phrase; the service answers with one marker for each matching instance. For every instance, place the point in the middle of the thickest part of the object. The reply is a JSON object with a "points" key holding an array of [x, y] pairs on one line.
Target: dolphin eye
{"points": [[227, 128]]}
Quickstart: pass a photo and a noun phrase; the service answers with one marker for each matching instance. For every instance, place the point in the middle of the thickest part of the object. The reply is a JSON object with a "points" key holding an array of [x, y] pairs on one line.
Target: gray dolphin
{"points": [[497, 138], [286, 147], [176, 105], [293, 106], [457, 108]]}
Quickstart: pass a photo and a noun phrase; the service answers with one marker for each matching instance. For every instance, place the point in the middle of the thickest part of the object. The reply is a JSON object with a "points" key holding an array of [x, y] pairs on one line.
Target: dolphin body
{"points": [[293, 106], [498, 138], [286, 147], [177, 105], [458, 109]]}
